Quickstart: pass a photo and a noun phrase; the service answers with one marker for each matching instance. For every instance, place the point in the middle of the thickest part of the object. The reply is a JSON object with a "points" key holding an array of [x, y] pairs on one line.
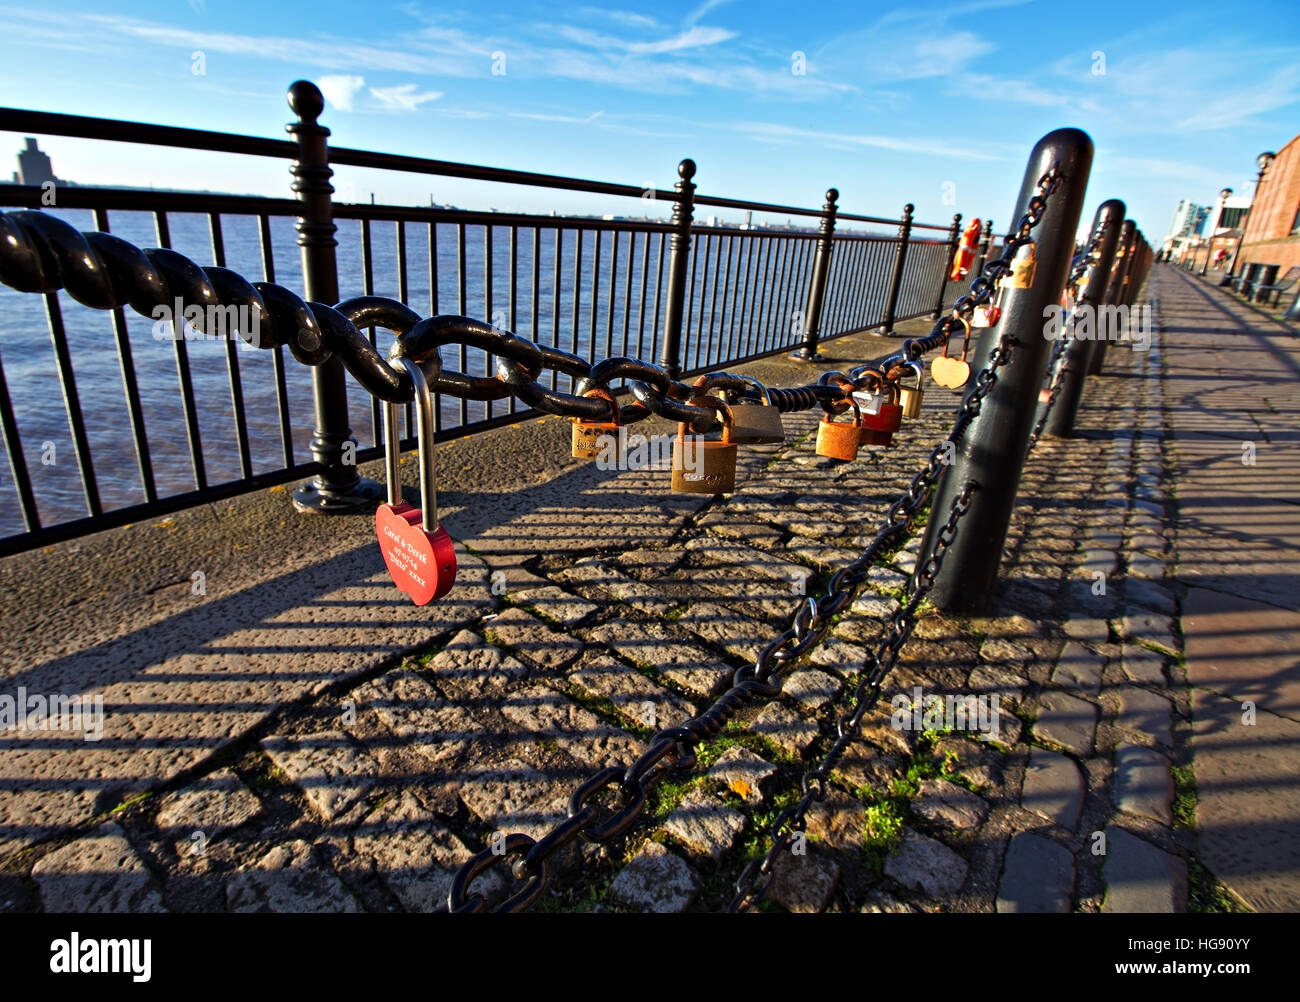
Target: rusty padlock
{"points": [[705, 466], [879, 428], [589, 436], [839, 441]]}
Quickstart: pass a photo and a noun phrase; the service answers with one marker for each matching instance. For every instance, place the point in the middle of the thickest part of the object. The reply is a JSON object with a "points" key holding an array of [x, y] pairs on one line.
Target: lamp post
{"points": [[1224, 195], [1262, 161]]}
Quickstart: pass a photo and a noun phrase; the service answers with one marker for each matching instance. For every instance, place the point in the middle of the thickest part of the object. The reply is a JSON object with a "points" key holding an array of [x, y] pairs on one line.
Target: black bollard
{"points": [[1077, 356], [992, 451]]}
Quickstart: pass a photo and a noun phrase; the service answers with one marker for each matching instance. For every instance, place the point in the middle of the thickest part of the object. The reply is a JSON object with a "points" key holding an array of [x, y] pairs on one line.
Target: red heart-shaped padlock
{"points": [[421, 564]]}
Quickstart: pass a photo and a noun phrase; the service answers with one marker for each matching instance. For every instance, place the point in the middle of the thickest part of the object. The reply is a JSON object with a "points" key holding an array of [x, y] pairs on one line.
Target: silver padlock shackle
{"points": [[767, 394], [424, 425]]}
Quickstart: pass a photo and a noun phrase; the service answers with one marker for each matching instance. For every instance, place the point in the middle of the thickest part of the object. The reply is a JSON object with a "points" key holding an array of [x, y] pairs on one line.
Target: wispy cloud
{"points": [[626, 18], [695, 16], [1279, 90], [773, 132], [403, 97]]}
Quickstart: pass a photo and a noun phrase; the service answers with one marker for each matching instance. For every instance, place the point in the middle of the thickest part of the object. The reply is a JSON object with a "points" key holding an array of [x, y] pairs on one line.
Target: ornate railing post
{"points": [[954, 238], [337, 488], [986, 243], [679, 259], [896, 279], [992, 451], [812, 319], [1077, 356]]}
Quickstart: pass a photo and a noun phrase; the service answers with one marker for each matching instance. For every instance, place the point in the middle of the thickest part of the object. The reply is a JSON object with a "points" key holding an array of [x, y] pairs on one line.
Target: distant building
{"points": [[1271, 233], [34, 167], [1188, 218]]}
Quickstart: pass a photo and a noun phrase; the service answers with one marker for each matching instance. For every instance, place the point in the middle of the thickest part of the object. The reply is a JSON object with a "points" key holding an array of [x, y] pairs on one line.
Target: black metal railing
{"points": [[205, 420]]}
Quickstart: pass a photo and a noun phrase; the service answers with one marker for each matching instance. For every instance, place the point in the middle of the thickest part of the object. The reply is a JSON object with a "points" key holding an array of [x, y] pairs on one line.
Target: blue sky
{"points": [[895, 103]]}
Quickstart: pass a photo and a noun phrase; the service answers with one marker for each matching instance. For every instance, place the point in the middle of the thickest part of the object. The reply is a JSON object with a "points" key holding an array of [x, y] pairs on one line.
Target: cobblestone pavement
{"points": [[304, 741]]}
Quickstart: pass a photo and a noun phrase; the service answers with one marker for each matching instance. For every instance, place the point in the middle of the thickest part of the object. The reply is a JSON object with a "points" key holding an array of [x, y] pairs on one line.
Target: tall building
{"points": [[1188, 218], [34, 166]]}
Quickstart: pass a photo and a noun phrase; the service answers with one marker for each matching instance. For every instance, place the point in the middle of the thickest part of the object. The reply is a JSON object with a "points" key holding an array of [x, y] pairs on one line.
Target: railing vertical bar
{"points": [[690, 294], [577, 298], [130, 386], [611, 298], [512, 316], [627, 290], [769, 284], [368, 288], [163, 229], [433, 310], [711, 356], [555, 295], [723, 332], [404, 295], [72, 403], [747, 244], [489, 360], [460, 310], [232, 359], [704, 291], [645, 277], [659, 288], [17, 462], [277, 353], [595, 298]]}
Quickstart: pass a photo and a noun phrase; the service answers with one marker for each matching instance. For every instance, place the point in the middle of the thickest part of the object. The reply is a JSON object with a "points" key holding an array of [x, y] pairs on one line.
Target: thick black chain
{"points": [[42, 253], [673, 749], [756, 878]]}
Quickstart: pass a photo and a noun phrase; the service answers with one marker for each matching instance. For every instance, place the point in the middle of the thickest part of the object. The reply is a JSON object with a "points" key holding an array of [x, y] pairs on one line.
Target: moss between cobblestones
{"points": [[1205, 895], [607, 711]]}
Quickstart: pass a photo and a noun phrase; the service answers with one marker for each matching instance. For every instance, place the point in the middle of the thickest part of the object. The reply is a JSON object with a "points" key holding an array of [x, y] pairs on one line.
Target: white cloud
{"points": [[776, 133], [627, 18], [698, 13], [403, 97], [1238, 108], [340, 89], [692, 38]]}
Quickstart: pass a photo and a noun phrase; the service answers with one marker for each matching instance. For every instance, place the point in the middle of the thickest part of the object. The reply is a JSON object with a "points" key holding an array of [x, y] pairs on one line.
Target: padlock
{"points": [[589, 436], [839, 441], [879, 428], [988, 314], [419, 554], [952, 372], [910, 397], [871, 397], [703, 466], [757, 423], [1023, 268]]}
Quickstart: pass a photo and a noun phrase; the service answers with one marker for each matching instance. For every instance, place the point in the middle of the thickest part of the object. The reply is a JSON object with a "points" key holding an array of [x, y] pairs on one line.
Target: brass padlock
{"points": [[910, 397], [839, 441], [952, 372], [704, 466], [589, 436], [1023, 268], [757, 423]]}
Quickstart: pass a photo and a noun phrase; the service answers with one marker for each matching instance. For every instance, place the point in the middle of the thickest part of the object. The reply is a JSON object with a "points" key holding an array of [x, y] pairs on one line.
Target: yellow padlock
{"points": [[839, 441], [588, 436]]}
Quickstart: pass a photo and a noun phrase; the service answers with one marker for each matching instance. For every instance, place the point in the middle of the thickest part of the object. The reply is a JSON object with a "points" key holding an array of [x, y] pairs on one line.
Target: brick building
{"points": [[1272, 233]]}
